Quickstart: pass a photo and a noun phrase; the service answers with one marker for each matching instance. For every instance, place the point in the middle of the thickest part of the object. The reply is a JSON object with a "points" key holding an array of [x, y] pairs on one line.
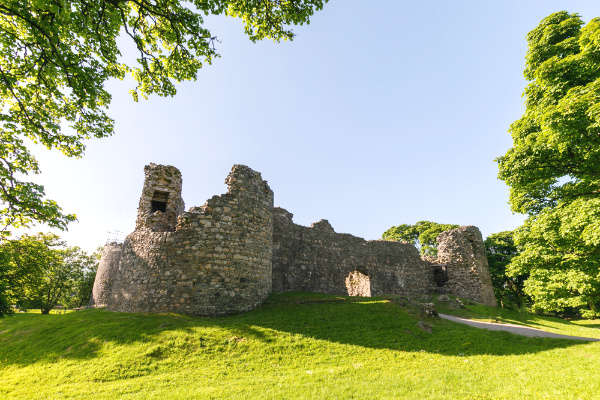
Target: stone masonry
{"points": [[462, 253], [107, 269], [227, 256], [317, 259], [210, 260]]}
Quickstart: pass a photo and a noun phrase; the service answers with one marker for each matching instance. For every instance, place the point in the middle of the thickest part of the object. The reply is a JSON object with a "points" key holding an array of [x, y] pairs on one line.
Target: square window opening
{"points": [[159, 201]]}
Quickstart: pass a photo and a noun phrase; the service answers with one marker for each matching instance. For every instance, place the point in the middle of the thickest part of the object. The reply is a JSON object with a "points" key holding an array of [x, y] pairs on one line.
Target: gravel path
{"points": [[517, 329]]}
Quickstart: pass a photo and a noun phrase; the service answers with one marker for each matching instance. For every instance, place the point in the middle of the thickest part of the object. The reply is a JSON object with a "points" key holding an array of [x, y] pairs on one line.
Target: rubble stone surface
{"points": [[227, 256], [107, 269], [462, 252], [216, 259], [317, 259]]}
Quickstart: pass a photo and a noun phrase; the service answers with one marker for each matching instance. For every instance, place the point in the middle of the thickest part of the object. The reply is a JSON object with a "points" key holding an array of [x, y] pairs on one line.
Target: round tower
{"points": [[211, 260], [106, 274]]}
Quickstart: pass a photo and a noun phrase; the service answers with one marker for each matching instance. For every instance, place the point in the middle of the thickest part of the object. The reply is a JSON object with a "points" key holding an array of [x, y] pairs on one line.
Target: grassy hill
{"points": [[295, 346]]}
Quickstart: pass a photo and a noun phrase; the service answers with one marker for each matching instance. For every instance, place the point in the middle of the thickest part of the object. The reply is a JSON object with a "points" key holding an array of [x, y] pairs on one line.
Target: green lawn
{"points": [[296, 346]]}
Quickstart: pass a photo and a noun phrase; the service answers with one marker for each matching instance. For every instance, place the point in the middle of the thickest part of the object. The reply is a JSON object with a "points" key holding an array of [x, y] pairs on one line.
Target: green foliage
{"points": [[26, 260], [422, 235], [85, 267], [5, 308], [40, 271], [56, 56], [500, 249], [560, 252], [556, 143], [553, 168]]}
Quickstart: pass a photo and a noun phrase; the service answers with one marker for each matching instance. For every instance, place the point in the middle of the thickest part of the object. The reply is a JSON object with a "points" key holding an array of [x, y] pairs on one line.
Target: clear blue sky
{"points": [[379, 113]]}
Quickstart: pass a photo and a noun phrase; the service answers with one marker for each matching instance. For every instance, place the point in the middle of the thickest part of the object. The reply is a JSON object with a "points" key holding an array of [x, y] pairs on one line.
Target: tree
{"points": [[553, 168], [422, 235], [56, 56], [5, 308], [40, 271], [86, 266], [500, 249], [24, 260]]}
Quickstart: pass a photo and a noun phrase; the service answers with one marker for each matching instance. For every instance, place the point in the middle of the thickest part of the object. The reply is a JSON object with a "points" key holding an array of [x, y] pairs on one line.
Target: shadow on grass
{"points": [[28, 338], [595, 326], [383, 324], [376, 323]]}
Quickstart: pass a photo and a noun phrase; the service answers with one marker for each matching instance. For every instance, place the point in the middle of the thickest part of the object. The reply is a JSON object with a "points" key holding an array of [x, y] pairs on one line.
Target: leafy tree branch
{"points": [[57, 55]]}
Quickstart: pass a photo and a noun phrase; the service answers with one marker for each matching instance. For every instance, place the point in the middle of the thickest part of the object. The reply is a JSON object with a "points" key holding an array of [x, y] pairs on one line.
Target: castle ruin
{"points": [[227, 256]]}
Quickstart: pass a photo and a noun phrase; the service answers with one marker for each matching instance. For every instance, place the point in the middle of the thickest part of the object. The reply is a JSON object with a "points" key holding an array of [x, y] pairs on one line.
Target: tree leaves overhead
{"points": [[56, 56], [261, 16]]}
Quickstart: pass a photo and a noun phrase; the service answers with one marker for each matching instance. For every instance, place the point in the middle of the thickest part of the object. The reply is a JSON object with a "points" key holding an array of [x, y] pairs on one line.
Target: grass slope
{"points": [[295, 346]]}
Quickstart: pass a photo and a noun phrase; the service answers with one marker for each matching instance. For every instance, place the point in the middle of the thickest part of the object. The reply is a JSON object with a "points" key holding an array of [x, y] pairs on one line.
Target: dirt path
{"points": [[517, 329]]}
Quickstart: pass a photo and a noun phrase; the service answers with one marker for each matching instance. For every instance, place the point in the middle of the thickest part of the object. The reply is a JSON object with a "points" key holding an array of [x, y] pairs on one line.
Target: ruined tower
{"points": [[461, 252], [210, 260], [105, 275], [160, 202]]}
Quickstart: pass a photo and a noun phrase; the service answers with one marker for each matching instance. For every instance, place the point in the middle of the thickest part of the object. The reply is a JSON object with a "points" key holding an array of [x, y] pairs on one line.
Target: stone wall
{"points": [[160, 202], [461, 253], [227, 256], [215, 260], [317, 259], [106, 274]]}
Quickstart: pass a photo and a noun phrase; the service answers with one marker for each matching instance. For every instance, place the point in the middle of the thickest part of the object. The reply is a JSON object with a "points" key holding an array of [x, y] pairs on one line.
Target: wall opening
{"points": [[358, 284], [440, 275], [159, 201]]}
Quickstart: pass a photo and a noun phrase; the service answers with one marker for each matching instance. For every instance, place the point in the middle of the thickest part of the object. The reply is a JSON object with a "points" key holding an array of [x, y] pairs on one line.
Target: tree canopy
{"points": [[40, 271], [56, 56], [553, 168], [500, 249], [422, 235], [555, 156]]}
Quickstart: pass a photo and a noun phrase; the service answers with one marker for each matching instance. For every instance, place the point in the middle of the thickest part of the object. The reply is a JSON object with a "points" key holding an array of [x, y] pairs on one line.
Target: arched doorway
{"points": [[358, 284]]}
